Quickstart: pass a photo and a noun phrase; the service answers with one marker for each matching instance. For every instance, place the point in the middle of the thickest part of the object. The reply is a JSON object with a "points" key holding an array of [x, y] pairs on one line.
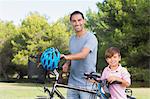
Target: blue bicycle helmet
{"points": [[50, 59]]}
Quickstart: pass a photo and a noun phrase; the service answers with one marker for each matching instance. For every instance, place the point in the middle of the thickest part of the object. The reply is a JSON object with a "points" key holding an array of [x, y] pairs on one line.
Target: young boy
{"points": [[115, 72]]}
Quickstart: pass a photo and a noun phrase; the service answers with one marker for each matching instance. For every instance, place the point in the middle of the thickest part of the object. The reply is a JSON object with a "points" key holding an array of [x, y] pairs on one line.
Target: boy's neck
{"points": [[114, 67]]}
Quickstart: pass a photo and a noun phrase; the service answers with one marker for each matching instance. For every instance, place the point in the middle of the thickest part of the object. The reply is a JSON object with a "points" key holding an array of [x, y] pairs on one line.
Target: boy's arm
{"points": [[125, 79], [124, 83]]}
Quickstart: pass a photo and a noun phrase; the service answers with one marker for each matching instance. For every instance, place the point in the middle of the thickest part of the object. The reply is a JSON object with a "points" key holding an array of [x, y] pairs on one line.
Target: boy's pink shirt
{"points": [[116, 90]]}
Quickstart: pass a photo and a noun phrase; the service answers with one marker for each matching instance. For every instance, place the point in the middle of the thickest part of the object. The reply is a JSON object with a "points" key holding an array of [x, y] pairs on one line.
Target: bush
{"points": [[139, 74]]}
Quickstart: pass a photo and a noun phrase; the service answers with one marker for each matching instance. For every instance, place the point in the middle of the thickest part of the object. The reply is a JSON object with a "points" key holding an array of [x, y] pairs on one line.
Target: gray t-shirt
{"points": [[87, 65]]}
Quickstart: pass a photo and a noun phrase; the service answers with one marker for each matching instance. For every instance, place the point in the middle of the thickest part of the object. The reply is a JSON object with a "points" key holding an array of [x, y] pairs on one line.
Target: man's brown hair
{"points": [[111, 51]]}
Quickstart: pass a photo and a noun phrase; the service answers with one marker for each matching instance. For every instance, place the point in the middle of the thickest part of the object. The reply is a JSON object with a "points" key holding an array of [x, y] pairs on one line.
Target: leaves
{"points": [[124, 24], [35, 33]]}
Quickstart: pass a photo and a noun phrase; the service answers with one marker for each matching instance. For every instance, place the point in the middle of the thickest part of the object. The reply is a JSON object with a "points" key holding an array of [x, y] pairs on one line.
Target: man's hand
{"points": [[62, 56]]}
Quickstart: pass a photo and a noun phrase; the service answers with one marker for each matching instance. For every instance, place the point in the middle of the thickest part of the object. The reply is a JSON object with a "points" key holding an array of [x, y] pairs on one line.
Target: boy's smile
{"points": [[114, 60]]}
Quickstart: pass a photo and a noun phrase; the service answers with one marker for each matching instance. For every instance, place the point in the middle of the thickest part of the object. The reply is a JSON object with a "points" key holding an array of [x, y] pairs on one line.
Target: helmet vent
{"points": [[50, 59]]}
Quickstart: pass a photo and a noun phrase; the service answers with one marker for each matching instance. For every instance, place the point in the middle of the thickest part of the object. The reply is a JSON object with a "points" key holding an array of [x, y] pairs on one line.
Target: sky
{"points": [[17, 10]]}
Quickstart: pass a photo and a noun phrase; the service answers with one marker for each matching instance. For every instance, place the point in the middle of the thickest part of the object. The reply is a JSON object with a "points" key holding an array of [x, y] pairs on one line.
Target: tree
{"points": [[36, 33], [7, 32], [124, 24]]}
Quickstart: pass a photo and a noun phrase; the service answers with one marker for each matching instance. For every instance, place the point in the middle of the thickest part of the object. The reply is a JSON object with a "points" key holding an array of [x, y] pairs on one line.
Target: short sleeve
{"points": [[104, 74], [126, 75], [91, 42]]}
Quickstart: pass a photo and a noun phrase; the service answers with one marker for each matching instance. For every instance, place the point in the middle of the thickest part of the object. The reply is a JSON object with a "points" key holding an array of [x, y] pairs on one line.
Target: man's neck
{"points": [[81, 33]]}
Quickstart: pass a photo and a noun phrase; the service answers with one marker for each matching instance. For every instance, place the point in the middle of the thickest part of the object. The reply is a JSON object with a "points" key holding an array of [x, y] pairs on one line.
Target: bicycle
{"points": [[101, 92], [56, 85]]}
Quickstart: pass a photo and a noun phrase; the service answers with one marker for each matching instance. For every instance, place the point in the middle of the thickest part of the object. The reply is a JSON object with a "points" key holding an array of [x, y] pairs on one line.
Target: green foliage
{"points": [[139, 74], [36, 35], [7, 32], [124, 24]]}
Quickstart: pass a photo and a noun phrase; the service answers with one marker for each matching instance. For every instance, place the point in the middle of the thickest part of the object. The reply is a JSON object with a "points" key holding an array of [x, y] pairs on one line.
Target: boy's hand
{"points": [[111, 79]]}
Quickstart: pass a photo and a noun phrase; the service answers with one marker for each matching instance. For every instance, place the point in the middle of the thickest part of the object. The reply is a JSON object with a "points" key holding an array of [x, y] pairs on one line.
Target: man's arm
{"points": [[78, 56]]}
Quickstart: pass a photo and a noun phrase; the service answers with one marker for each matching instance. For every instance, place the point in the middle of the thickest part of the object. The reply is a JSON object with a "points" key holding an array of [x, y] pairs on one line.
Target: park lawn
{"points": [[31, 90], [22, 90], [141, 93]]}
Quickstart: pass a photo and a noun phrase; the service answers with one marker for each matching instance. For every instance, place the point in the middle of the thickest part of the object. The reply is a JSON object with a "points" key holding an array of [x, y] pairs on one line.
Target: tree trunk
{"points": [[2, 71]]}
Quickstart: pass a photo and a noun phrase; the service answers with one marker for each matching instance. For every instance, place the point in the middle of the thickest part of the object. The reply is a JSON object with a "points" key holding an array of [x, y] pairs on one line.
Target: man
{"points": [[83, 48]]}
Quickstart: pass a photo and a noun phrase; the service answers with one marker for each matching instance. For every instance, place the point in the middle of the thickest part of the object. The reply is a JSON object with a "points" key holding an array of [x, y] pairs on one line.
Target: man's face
{"points": [[77, 22], [114, 60]]}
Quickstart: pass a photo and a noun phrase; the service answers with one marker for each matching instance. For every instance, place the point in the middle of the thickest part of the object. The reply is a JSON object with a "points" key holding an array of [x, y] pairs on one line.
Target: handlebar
{"points": [[93, 75], [96, 77]]}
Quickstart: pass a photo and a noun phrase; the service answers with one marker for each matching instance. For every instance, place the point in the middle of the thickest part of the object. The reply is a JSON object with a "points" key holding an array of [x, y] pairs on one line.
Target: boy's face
{"points": [[114, 60]]}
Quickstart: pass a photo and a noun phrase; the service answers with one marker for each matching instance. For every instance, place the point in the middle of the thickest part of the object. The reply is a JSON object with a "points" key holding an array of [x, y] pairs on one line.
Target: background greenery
{"points": [[121, 23]]}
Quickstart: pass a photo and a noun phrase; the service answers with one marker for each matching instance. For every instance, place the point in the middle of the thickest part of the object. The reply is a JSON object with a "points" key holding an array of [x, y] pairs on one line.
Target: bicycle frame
{"points": [[54, 90], [56, 85]]}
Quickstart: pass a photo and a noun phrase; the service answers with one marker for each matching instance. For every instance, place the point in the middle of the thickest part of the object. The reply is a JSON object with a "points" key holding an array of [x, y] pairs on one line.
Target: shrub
{"points": [[139, 74]]}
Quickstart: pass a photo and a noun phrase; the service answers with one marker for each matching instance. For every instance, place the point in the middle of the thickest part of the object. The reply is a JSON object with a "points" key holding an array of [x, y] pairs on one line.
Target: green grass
{"points": [[31, 90], [21, 90], [141, 93]]}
